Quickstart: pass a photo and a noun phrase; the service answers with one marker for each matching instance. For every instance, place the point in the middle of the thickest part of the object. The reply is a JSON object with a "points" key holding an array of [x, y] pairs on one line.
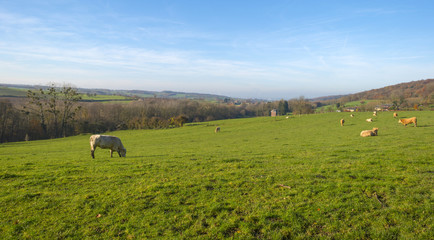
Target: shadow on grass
{"points": [[200, 124], [418, 126], [424, 126], [146, 156]]}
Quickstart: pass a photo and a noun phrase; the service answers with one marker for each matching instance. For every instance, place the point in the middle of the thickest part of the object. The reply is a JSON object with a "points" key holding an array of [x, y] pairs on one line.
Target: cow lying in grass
{"points": [[107, 142], [369, 120], [408, 121], [368, 133]]}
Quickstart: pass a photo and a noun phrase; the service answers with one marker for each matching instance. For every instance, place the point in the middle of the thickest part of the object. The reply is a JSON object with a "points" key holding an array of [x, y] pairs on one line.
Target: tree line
{"points": [[58, 111]]}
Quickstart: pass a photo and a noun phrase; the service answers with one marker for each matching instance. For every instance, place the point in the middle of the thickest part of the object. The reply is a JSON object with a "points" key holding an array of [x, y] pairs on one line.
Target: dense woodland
{"points": [[56, 111]]}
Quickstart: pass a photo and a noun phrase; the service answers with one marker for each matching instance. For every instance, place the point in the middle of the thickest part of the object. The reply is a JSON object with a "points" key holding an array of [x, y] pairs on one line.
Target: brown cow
{"points": [[342, 122], [367, 133], [408, 121]]}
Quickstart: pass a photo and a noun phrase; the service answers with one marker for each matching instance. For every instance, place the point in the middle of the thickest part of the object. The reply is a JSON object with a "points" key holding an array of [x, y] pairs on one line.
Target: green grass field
{"points": [[107, 98], [5, 91], [259, 178]]}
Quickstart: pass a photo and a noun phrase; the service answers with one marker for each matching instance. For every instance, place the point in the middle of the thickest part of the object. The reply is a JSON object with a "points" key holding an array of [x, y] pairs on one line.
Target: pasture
{"points": [[258, 178], [14, 92], [106, 98]]}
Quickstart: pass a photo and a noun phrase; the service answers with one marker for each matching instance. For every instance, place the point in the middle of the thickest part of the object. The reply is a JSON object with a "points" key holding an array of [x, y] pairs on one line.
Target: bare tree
{"points": [[58, 103], [5, 115], [35, 106], [69, 97], [301, 106], [52, 104]]}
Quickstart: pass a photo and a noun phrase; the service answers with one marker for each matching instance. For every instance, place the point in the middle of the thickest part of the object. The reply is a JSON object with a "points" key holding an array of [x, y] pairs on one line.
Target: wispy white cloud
{"points": [[329, 51], [9, 19], [377, 11]]}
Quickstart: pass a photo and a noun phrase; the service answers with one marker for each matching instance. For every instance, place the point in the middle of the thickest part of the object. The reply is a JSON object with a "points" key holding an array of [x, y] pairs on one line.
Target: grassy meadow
{"points": [[107, 98], [300, 177], [5, 91]]}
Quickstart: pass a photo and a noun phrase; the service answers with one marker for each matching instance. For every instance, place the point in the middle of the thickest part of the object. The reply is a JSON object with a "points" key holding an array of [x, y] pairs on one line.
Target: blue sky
{"points": [[250, 49]]}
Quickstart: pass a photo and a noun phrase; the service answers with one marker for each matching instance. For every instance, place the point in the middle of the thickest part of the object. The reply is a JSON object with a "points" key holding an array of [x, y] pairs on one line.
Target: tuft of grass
{"points": [[271, 178]]}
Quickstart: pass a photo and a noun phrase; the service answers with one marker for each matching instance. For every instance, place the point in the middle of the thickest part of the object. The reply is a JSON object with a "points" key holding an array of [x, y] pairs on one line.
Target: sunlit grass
{"points": [[6, 91], [104, 97], [273, 178]]}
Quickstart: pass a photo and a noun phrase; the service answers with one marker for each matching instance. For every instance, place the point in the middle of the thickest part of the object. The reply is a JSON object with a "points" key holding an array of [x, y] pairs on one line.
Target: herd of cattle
{"points": [[114, 143], [374, 131]]}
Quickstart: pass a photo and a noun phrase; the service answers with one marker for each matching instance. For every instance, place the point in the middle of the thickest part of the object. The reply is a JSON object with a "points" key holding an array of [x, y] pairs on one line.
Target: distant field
{"points": [[106, 95], [103, 98], [346, 105], [16, 92], [259, 178], [357, 103]]}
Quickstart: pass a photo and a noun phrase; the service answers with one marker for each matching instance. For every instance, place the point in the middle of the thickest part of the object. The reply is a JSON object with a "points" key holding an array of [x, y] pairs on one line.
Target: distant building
{"points": [[274, 113], [384, 107]]}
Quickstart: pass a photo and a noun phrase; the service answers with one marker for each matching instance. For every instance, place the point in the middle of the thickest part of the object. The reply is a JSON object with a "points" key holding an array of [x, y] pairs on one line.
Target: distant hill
{"points": [[421, 89], [326, 98], [18, 90], [414, 89]]}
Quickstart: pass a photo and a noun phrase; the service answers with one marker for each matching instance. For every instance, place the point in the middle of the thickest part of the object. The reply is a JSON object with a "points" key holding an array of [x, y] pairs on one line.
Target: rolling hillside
{"points": [[414, 89], [423, 89], [17, 90], [302, 177]]}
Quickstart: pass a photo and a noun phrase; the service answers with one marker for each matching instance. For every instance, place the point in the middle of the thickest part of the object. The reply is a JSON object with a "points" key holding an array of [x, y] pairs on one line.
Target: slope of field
{"points": [[270, 178]]}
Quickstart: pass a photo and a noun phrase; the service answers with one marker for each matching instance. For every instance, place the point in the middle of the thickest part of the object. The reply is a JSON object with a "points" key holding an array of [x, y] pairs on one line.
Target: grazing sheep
{"points": [[369, 120], [367, 133], [217, 129], [352, 115], [342, 122], [408, 121], [107, 142], [395, 115]]}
